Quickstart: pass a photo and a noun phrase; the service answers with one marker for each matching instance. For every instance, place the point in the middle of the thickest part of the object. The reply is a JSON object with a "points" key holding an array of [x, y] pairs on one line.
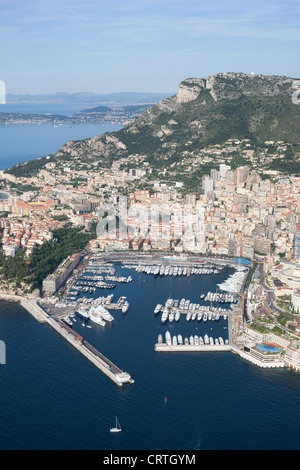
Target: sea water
{"points": [[22, 142], [52, 397]]}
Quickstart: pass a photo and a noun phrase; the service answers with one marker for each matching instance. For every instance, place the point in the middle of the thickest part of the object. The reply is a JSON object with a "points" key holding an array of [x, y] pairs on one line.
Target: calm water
{"points": [[54, 398], [22, 142]]}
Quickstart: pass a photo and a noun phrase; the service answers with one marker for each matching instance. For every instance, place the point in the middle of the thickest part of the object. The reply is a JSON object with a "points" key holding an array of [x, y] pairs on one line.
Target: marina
{"points": [[192, 343], [81, 298], [173, 309], [194, 353], [174, 270], [81, 303]]}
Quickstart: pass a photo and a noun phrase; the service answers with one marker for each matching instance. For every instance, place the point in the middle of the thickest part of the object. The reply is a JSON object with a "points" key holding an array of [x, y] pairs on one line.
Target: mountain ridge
{"points": [[205, 111]]}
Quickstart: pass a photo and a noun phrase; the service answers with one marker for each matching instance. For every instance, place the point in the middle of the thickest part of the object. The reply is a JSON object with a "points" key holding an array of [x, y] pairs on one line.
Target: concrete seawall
{"points": [[101, 362]]}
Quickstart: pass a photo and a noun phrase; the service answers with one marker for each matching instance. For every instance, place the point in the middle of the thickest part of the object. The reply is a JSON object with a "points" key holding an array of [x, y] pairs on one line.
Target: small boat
{"points": [[68, 321], [125, 307], [117, 428], [164, 316], [157, 308], [171, 317]]}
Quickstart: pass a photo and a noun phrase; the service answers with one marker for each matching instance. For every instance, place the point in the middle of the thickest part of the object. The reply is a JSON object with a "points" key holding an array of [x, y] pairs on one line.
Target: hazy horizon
{"points": [[107, 47]]}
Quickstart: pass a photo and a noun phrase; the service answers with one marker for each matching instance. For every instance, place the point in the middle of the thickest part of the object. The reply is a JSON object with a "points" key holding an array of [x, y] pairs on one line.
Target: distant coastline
{"points": [[100, 114]]}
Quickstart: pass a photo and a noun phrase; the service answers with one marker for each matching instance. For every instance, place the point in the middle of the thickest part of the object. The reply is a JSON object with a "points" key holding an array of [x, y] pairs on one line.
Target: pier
{"points": [[163, 347], [113, 372]]}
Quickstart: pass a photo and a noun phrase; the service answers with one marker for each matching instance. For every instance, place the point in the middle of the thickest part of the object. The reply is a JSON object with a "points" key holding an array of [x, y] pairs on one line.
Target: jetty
{"points": [[114, 373], [163, 347]]}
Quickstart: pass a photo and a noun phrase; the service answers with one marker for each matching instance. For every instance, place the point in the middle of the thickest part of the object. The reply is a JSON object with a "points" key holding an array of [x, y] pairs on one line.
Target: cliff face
{"points": [[204, 111], [232, 86]]}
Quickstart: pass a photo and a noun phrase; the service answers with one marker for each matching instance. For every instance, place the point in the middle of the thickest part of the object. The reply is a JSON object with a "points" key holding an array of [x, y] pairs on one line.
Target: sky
{"points": [[106, 46]]}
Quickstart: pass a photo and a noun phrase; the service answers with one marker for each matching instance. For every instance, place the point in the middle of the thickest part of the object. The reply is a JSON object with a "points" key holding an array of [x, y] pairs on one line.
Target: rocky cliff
{"points": [[204, 111]]}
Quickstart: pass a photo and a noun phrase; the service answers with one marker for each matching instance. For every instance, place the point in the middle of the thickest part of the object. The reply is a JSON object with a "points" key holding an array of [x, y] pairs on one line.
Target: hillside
{"points": [[204, 112]]}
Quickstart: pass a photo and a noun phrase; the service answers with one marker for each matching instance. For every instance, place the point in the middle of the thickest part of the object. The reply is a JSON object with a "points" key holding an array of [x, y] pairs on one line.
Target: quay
{"points": [[99, 360], [163, 347], [113, 372]]}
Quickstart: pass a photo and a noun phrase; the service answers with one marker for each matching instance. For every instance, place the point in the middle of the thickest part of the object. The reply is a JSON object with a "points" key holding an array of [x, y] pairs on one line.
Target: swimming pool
{"points": [[269, 347]]}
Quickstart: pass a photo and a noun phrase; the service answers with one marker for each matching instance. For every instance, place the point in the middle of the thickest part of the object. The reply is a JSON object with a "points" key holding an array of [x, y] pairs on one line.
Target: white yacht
{"points": [[165, 315], [177, 315], [67, 320], [179, 339], [168, 338], [171, 317], [125, 307], [102, 312], [157, 308], [82, 313], [96, 317]]}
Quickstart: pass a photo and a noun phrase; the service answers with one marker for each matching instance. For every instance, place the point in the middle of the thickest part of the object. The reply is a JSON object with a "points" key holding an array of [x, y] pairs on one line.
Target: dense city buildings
{"points": [[235, 211]]}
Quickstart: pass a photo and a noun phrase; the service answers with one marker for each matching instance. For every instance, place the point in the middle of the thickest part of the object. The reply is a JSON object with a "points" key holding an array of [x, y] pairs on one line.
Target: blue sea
{"points": [[54, 398], [22, 142]]}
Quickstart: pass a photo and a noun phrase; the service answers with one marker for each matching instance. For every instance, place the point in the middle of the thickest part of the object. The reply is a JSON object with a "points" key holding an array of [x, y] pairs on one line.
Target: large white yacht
{"points": [[81, 312], [96, 317], [102, 312]]}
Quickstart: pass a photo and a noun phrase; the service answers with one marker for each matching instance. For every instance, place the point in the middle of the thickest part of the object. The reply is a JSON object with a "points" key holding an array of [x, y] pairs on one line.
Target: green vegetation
{"points": [[44, 259], [48, 256], [30, 168], [255, 108], [15, 269], [60, 217]]}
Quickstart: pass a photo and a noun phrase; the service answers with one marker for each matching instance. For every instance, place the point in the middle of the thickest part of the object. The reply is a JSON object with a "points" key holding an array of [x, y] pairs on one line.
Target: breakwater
{"points": [[113, 372]]}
